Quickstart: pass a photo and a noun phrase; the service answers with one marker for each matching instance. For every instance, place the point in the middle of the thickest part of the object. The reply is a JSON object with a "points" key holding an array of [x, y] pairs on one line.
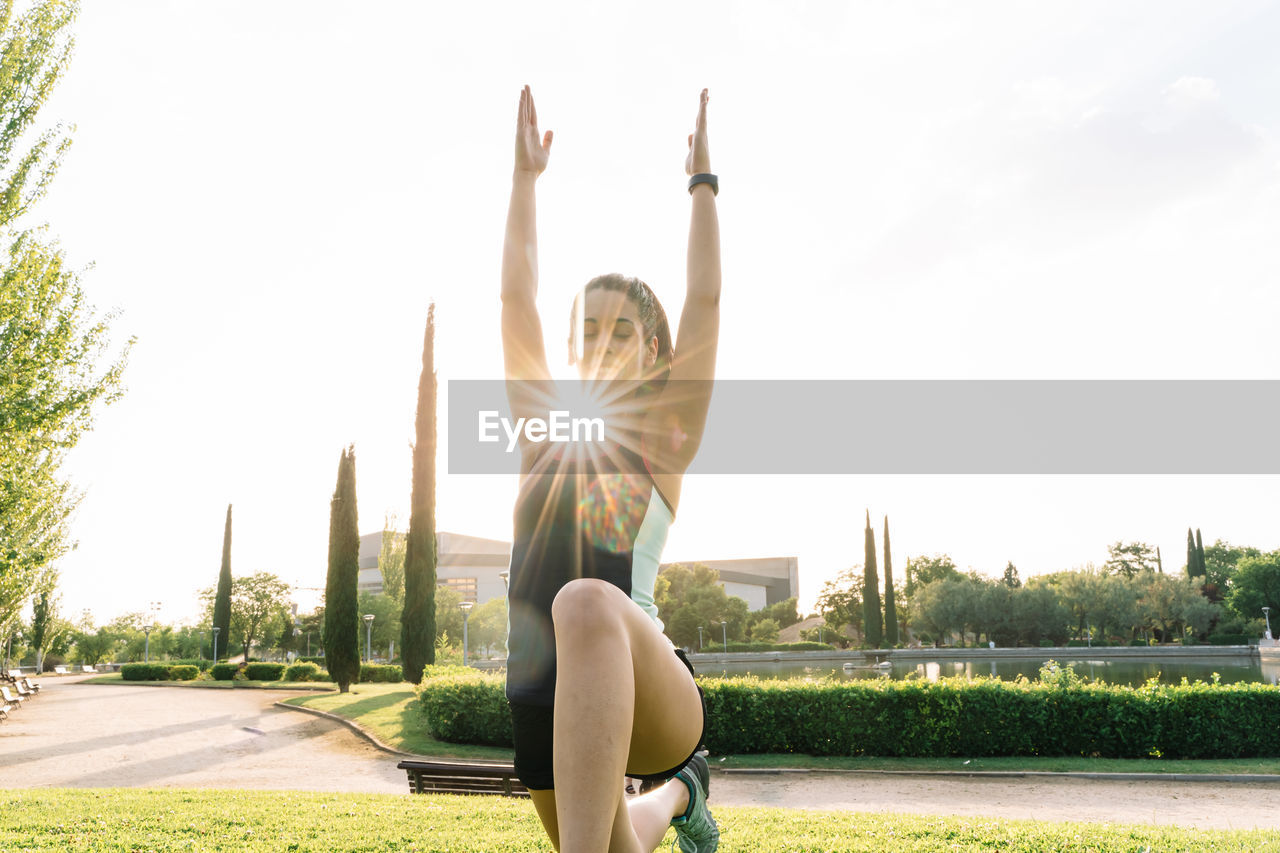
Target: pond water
{"points": [[1131, 672]]}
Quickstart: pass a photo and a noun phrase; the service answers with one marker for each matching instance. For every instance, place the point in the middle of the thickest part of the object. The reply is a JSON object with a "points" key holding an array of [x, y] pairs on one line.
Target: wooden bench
{"points": [[443, 777]]}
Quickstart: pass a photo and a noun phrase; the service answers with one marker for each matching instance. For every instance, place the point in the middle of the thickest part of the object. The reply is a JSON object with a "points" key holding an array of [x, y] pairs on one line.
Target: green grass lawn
{"points": [[178, 820], [391, 712]]}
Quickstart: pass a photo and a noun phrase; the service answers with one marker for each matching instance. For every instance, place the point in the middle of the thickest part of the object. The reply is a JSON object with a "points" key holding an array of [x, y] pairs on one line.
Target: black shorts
{"points": [[532, 727]]}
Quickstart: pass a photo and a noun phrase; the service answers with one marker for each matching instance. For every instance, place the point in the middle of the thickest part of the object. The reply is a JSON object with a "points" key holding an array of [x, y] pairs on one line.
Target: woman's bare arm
{"points": [[523, 350], [683, 405]]}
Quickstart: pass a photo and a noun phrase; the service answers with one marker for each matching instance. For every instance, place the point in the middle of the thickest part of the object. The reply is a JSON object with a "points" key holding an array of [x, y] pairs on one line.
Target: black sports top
{"points": [[579, 516]]}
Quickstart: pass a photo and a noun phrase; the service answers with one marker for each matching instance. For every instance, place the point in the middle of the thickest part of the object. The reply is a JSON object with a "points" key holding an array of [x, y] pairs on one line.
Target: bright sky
{"points": [[273, 193]]}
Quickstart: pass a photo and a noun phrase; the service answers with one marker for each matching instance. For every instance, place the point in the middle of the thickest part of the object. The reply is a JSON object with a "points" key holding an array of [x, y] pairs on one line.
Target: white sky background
{"points": [[272, 193]]}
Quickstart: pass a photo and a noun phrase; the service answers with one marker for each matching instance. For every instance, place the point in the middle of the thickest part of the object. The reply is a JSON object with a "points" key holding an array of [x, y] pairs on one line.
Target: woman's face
{"points": [[613, 343]]}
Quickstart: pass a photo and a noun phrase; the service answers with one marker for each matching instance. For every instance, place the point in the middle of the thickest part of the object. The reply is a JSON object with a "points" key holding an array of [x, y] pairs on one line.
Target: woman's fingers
{"points": [[546, 142], [533, 111]]}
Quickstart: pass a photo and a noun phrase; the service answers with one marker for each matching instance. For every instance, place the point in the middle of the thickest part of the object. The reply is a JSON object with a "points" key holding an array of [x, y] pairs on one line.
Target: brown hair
{"points": [[652, 317]]}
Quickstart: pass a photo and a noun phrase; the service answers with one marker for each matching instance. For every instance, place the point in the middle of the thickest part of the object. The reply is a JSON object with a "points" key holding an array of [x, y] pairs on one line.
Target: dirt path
{"points": [[108, 736]]}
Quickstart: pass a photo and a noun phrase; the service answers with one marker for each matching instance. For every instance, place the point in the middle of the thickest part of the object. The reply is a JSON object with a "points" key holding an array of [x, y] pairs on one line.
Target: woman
{"points": [[597, 691]]}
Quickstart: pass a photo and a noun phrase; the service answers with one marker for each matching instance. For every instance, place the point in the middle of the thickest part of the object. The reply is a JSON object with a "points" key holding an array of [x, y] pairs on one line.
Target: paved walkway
{"points": [[108, 736]]}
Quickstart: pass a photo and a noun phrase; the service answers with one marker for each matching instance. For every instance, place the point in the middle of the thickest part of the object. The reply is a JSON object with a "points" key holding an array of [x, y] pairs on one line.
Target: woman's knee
{"points": [[587, 604]]}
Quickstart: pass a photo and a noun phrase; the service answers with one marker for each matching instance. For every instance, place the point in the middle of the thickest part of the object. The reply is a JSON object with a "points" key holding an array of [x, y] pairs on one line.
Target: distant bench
{"points": [[442, 777]]}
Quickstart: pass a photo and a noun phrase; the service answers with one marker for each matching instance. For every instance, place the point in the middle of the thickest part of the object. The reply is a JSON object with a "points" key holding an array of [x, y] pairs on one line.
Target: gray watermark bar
{"points": [[924, 426]]}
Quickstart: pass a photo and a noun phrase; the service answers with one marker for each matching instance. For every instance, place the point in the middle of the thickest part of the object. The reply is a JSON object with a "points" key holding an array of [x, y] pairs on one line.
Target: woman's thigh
{"points": [[667, 720]]}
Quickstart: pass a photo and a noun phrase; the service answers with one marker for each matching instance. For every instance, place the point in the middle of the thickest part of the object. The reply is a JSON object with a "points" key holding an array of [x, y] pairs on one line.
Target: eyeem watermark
{"points": [[559, 427]]}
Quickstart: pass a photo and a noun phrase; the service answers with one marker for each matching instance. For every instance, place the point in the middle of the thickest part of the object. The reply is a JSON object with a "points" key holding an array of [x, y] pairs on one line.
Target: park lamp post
{"points": [[699, 638], [146, 654], [202, 645], [466, 608], [216, 629], [1266, 614], [368, 637], [819, 635], [724, 634]]}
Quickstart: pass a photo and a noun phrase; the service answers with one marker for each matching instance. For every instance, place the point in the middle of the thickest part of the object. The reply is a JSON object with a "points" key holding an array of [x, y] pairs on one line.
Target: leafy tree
{"points": [[386, 619], [222, 597], [782, 612], [391, 562], [1010, 577], [693, 596], [341, 624], [1221, 559], [1200, 562], [1130, 559], [923, 570], [1256, 585], [871, 615], [418, 618], [840, 601], [51, 344], [448, 617], [1193, 560], [765, 631], [489, 625], [43, 626], [256, 605]]}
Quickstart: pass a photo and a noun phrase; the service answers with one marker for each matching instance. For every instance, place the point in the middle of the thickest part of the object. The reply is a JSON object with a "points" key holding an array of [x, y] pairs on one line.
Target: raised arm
{"points": [[682, 407], [523, 350]]}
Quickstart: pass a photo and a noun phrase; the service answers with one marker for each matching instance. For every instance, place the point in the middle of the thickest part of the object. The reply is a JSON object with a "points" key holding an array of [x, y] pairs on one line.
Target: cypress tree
{"points": [[1159, 564], [222, 601], [1201, 568], [890, 608], [873, 629], [341, 602], [1191, 554], [418, 619]]}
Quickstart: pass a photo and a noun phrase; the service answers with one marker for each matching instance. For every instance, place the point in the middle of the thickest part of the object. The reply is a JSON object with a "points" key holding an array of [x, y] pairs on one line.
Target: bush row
{"points": [[949, 717], [158, 672], [378, 672], [1228, 639], [711, 648]]}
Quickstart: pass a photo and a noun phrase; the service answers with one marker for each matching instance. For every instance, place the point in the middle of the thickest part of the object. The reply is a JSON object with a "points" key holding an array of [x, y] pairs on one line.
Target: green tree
{"points": [[840, 601], [51, 344], [782, 612], [1221, 559], [222, 597], [418, 618], [1256, 585], [765, 631], [1130, 559], [1200, 562], [890, 605], [391, 562], [923, 570], [871, 616], [386, 619], [1010, 577], [255, 607], [341, 624], [43, 621], [489, 625], [1193, 561], [693, 596], [448, 619]]}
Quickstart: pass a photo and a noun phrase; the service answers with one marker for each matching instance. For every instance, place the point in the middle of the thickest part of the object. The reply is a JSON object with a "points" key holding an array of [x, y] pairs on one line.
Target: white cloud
{"points": [[1192, 90]]}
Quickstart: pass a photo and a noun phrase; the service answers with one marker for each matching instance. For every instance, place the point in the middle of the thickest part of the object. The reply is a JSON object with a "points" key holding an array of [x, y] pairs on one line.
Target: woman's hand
{"points": [[531, 153], [699, 159]]}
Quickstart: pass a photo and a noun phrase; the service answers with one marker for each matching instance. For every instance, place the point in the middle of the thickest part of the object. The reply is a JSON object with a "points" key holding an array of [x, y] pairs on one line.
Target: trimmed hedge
{"points": [[714, 648], [145, 672], [949, 717], [264, 671], [1228, 639], [183, 672], [224, 671], [200, 665], [370, 672], [318, 660], [305, 671]]}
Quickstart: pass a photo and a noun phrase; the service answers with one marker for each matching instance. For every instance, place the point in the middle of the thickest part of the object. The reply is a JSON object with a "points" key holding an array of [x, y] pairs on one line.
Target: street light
{"points": [[202, 645], [368, 637], [146, 655], [466, 607], [724, 633], [1266, 614], [216, 629], [699, 638]]}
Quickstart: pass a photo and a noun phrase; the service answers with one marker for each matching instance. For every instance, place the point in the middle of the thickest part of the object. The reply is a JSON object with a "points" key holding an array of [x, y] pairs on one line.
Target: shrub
{"points": [[305, 671], [264, 671], [465, 705], [224, 671], [949, 717], [1046, 644], [1228, 640], [377, 672], [183, 672], [145, 672], [315, 659], [199, 664], [715, 648]]}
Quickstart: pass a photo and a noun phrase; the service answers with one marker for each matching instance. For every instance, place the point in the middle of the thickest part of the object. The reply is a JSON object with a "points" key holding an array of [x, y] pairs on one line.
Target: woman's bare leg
{"points": [[622, 696]]}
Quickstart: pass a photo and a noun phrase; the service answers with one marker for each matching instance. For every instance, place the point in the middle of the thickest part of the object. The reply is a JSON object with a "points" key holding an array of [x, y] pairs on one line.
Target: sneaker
{"points": [[696, 830]]}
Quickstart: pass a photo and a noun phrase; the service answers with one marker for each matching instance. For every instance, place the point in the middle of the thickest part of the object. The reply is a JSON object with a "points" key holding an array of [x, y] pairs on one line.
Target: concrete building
{"points": [[472, 566]]}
